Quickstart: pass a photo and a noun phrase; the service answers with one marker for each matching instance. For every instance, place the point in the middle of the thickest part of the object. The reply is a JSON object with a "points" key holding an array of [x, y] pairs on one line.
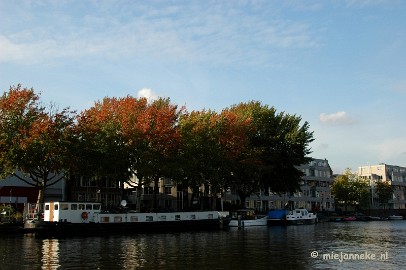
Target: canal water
{"points": [[342, 245]]}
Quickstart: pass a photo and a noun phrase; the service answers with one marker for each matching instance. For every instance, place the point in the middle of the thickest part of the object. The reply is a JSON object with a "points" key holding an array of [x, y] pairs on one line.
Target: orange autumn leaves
{"points": [[135, 121], [248, 143], [32, 139], [126, 121]]}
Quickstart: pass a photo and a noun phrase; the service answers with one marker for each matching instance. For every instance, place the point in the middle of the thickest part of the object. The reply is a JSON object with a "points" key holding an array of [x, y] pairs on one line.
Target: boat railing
{"points": [[33, 211]]}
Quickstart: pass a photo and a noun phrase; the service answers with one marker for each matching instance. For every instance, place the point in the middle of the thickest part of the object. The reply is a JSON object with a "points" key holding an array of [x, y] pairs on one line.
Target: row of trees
{"points": [[351, 190], [245, 147]]}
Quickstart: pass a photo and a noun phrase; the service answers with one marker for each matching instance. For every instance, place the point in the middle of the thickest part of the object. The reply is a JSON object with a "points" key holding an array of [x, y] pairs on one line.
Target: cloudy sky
{"points": [[340, 65]]}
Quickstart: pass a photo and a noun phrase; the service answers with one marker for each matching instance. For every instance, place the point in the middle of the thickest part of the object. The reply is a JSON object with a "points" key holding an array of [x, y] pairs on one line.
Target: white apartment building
{"points": [[394, 175]]}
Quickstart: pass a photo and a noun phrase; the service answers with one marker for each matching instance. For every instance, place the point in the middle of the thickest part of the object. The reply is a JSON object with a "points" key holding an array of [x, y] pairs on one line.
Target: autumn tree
{"points": [[239, 166], [101, 152], [160, 142], [34, 141], [121, 137]]}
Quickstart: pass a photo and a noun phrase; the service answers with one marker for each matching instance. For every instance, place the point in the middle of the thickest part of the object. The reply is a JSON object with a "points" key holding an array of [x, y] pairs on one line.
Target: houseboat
{"points": [[87, 218]]}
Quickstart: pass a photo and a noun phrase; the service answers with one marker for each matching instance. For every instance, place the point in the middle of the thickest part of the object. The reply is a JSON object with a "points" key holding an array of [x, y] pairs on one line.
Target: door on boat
{"points": [[51, 211]]}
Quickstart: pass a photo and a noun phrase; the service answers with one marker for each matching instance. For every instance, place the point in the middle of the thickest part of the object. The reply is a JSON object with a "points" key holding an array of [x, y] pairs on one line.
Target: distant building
{"points": [[172, 196], [394, 175], [16, 192], [314, 195], [85, 189]]}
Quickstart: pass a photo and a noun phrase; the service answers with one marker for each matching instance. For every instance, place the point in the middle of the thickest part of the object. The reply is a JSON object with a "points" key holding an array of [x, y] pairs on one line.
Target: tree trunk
{"points": [[138, 201], [156, 191]]}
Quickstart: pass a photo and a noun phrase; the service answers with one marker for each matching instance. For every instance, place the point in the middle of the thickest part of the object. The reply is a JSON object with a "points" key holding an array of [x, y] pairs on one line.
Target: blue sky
{"points": [[340, 65]]}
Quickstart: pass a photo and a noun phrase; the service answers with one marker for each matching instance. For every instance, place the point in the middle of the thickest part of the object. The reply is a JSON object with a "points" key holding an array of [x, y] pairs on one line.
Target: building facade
{"points": [[17, 193], [315, 194], [394, 175]]}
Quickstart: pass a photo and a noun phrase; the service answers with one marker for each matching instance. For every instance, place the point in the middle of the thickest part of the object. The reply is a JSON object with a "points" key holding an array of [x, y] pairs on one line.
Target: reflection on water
{"points": [[250, 248], [50, 254]]}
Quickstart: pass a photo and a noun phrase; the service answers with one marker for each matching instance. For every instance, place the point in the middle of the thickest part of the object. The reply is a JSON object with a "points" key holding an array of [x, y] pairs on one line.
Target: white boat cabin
{"points": [[300, 213], [75, 212]]}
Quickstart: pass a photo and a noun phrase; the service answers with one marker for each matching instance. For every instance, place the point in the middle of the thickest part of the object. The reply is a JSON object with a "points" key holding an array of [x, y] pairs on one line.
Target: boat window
{"points": [[74, 206], [177, 217], [88, 207], [64, 206], [96, 206], [162, 217], [56, 206], [104, 219], [117, 219], [149, 218], [47, 207], [210, 216], [134, 219], [81, 206], [192, 216]]}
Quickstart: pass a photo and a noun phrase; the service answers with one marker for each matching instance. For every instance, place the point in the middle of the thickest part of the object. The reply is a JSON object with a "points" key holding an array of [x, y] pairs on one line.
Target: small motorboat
{"points": [[395, 217], [246, 218], [301, 216]]}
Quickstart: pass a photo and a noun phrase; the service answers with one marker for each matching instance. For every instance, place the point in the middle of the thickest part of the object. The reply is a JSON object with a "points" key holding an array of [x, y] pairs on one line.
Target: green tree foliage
{"points": [[200, 152], [277, 143], [33, 140], [349, 189], [384, 191], [244, 148]]}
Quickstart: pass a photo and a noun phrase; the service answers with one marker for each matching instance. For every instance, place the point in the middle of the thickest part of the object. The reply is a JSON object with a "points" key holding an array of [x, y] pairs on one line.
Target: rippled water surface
{"points": [[372, 245]]}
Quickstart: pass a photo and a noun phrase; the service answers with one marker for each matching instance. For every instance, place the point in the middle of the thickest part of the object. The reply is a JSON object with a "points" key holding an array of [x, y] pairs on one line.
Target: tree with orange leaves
{"points": [[34, 142], [121, 137], [100, 152]]}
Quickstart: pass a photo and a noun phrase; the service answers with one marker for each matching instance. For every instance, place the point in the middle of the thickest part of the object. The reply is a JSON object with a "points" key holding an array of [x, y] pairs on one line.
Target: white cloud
{"points": [[336, 118], [147, 93], [218, 33]]}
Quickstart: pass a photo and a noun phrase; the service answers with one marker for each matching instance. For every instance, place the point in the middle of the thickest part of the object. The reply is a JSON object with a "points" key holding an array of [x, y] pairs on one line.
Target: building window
{"points": [[168, 190], [148, 190]]}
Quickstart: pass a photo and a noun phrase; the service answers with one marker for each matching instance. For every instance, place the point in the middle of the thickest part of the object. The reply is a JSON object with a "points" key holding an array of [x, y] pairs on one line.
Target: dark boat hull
{"points": [[277, 222], [66, 229]]}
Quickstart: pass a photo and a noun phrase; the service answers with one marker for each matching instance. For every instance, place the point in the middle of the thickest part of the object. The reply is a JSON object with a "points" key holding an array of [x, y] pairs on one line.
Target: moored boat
{"points": [[246, 218], [277, 217], [86, 218], [352, 218], [300, 216], [395, 217]]}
